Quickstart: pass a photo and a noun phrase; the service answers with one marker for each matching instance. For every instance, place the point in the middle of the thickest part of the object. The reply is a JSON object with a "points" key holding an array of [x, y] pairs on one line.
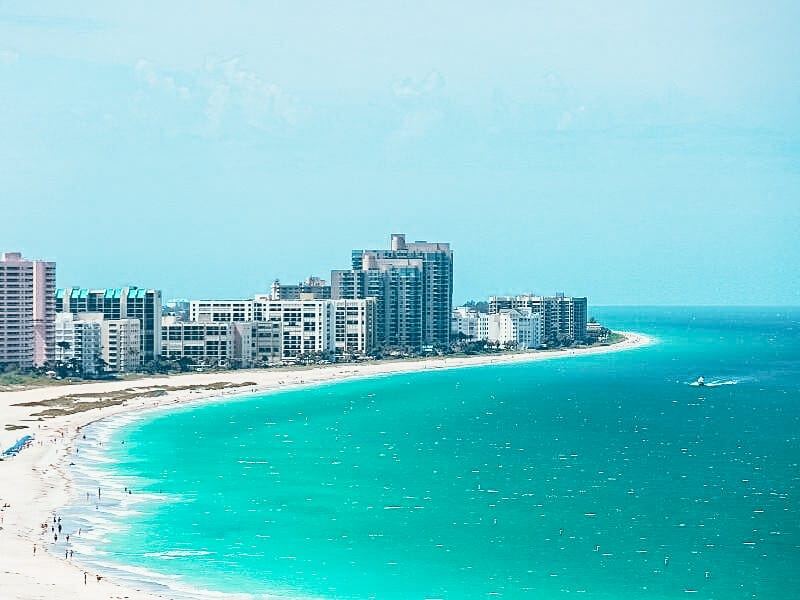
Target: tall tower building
{"points": [[413, 287], [27, 311]]}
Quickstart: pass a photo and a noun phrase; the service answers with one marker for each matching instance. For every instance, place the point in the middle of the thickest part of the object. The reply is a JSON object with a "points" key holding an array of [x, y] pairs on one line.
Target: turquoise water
{"points": [[606, 476]]}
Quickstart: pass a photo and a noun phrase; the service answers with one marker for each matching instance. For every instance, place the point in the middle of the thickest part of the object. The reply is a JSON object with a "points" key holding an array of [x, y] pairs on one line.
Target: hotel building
{"points": [[27, 311]]}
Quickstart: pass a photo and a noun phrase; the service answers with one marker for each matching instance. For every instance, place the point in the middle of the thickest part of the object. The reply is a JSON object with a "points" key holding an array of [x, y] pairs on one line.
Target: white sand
{"points": [[35, 483]]}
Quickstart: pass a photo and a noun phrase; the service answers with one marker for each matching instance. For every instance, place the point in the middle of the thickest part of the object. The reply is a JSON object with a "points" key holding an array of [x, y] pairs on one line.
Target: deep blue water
{"points": [[605, 476]]}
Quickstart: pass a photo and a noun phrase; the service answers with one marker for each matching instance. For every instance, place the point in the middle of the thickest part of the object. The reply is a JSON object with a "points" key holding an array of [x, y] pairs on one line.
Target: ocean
{"points": [[606, 476]]}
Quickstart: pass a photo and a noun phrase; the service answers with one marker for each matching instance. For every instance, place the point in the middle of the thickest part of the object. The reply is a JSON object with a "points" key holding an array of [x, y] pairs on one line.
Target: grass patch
{"points": [[12, 427], [71, 404]]}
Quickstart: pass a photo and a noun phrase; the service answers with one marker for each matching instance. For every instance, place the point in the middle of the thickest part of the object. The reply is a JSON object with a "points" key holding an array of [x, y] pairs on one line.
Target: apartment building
{"points": [[306, 325], [412, 284], [520, 328], [266, 346], [464, 323], [210, 344], [141, 304], [564, 317], [317, 287], [219, 311], [122, 344], [27, 311], [353, 326], [79, 338]]}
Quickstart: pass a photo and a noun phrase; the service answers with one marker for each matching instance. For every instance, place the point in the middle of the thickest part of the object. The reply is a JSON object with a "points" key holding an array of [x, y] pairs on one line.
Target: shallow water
{"points": [[609, 476]]}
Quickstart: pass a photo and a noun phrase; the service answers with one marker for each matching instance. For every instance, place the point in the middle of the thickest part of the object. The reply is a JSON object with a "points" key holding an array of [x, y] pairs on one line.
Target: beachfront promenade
{"points": [[35, 483]]}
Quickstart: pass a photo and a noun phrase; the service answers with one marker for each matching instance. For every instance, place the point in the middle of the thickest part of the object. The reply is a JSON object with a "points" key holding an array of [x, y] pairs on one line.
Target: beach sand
{"points": [[35, 483]]}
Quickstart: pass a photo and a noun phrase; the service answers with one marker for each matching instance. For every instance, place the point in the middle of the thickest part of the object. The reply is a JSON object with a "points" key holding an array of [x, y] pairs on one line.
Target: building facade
{"points": [[306, 327], [318, 288], [207, 344], [412, 284], [354, 334], [79, 338], [564, 317], [27, 311], [122, 345], [219, 311], [464, 323], [120, 303], [519, 328]]}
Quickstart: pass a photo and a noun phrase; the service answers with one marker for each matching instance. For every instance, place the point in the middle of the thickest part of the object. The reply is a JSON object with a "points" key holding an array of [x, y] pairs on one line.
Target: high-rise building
{"points": [[27, 311], [122, 344], [353, 326], [564, 317], [412, 284], [120, 303], [79, 339]]}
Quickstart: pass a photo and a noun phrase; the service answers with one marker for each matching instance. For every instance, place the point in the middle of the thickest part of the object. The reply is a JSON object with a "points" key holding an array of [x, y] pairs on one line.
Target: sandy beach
{"points": [[35, 483]]}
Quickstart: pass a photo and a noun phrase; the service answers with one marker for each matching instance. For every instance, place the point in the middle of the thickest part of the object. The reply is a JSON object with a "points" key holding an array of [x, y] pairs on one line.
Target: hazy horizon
{"points": [[636, 154]]}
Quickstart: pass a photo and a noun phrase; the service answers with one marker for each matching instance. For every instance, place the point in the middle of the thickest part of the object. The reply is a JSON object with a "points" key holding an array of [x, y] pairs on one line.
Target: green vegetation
{"points": [[613, 338], [76, 403], [14, 380]]}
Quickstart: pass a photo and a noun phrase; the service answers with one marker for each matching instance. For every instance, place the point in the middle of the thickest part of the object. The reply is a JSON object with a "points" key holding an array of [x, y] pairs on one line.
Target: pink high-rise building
{"points": [[27, 311]]}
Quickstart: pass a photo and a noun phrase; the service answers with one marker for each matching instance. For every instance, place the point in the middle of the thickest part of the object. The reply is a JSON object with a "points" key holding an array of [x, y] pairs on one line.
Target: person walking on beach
{"points": [[84, 578], [34, 549]]}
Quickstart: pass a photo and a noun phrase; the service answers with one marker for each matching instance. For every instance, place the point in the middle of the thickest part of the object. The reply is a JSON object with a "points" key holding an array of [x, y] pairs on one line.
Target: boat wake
{"points": [[701, 382]]}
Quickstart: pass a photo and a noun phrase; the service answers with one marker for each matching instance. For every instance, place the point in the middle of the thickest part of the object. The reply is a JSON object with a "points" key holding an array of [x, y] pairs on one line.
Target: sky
{"points": [[632, 152]]}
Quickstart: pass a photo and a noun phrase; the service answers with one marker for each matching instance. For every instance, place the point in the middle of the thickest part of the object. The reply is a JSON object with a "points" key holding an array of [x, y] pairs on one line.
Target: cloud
{"points": [[233, 90], [147, 73], [408, 88], [8, 57]]}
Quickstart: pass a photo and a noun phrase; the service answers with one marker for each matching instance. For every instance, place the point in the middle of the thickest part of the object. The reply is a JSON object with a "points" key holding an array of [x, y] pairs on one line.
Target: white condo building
{"points": [[219, 311], [285, 330], [208, 344], [122, 344], [80, 338], [464, 323], [521, 328], [354, 333], [306, 326]]}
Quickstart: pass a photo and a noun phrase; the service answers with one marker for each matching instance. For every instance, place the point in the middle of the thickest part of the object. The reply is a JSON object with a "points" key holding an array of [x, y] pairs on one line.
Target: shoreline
{"points": [[36, 483]]}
